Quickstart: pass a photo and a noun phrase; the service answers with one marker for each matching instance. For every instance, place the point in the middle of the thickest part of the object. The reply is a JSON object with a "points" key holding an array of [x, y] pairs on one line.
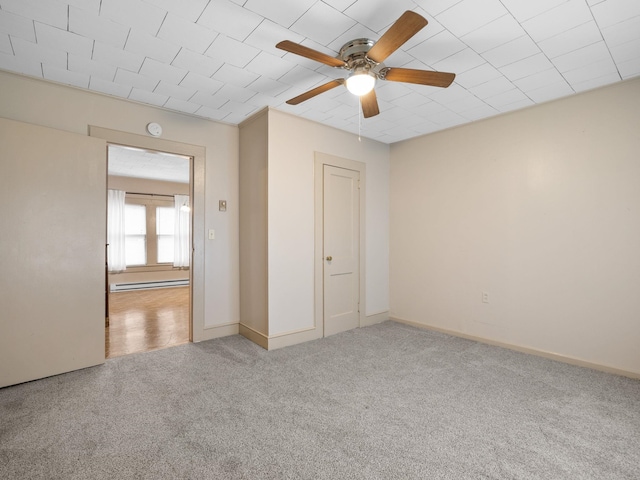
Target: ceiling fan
{"points": [[363, 59]]}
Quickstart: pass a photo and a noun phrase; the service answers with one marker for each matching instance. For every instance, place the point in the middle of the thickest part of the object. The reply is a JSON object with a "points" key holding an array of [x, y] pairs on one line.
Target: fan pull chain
{"points": [[359, 118]]}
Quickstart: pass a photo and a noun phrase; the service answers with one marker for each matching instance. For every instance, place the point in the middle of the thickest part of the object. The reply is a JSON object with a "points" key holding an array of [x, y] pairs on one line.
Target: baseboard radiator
{"points": [[126, 287]]}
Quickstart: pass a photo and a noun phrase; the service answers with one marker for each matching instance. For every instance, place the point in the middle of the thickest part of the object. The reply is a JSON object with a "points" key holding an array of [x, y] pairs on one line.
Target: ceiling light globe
{"points": [[360, 83]]}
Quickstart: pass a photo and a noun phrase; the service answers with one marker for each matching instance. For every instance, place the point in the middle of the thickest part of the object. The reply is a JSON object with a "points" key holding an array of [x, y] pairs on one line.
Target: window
{"points": [[165, 220], [135, 231]]}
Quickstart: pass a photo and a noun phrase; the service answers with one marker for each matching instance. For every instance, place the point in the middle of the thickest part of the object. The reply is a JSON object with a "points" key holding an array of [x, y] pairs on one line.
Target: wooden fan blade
{"points": [[421, 77], [369, 104], [316, 91], [307, 52], [405, 27]]}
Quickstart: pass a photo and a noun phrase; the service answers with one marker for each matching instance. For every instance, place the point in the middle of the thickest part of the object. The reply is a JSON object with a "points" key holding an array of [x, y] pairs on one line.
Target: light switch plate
{"points": [[212, 234], [222, 205]]}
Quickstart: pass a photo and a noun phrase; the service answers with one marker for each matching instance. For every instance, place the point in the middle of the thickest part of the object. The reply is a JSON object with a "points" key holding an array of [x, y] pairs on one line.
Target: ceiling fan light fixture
{"points": [[360, 82]]}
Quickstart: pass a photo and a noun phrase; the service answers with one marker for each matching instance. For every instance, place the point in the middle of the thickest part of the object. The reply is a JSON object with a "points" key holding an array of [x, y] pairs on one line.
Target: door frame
{"points": [[197, 176], [320, 160]]}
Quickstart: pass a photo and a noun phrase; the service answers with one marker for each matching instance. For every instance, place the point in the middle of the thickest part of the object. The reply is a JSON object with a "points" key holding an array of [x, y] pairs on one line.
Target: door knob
{"points": [[329, 258]]}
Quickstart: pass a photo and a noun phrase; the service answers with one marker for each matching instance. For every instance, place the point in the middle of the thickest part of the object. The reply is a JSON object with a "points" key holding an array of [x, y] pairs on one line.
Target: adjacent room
{"points": [[319, 239]]}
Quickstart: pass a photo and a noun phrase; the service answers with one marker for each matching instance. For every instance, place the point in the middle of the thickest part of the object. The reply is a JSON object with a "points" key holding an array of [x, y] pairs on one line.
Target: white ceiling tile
{"points": [[201, 83], [460, 62], [268, 34], [322, 23], [622, 32], [437, 48], [524, 10], [161, 71], [470, 102], [17, 26], [480, 112], [5, 44], [212, 113], [508, 97], [181, 105], [188, 60], [302, 77], [469, 15], [492, 87], [435, 7], [238, 108], [528, 66], [62, 75], [90, 25], [235, 76], [190, 10], [571, 40], [584, 56], [144, 96], [208, 100], [80, 64], [269, 65], [390, 91], [125, 77], [340, 5], [550, 92], [517, 105], [378, 15], [496, 33], [135, 14], [356, 31], [150, 46], [539, 80], [174, 91], [553, 22], [229, 19], [478, 75], [445, 95], [88, 5], [400, 58], [117, 57], [110, 88], [59, 39], [411, 100], [626, 51], [596, 82], [39, 53], [590, 71], [178, 31], [629, 69], [51, 12], [270, 87], [22, 65], [236, 94], [227, 50], [283, 12], [612, 12], [510, 52]]}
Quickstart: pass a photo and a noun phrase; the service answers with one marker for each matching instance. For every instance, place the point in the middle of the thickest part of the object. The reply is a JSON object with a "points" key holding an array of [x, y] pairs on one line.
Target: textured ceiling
{"points": [[134, 162], [217, 58]]}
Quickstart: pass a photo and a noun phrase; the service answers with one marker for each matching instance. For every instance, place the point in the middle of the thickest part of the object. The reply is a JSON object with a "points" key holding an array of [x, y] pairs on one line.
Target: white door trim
{"points": [[198, 153], [320, 160]]}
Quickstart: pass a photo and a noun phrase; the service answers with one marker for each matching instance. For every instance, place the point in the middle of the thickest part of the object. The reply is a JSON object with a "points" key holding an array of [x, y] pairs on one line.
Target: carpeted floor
{"points": [[383, 402]]}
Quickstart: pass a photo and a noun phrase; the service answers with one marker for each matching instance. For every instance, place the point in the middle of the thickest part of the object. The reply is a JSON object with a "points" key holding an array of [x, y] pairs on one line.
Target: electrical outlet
{"points": [[485, 297]]}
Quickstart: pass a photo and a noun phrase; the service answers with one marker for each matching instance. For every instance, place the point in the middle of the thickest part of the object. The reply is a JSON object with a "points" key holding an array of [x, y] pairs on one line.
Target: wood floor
{"points": [[145, 320]]}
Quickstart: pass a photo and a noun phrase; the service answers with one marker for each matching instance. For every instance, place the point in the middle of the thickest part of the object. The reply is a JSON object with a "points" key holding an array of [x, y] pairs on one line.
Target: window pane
{"points": [[165, 218], [135, 219], [165, 248], [135, 250]]}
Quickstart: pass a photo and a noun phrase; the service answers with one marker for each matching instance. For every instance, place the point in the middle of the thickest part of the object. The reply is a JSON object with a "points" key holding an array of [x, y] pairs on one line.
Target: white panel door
{"points": [[341, 244], [52, 231]]}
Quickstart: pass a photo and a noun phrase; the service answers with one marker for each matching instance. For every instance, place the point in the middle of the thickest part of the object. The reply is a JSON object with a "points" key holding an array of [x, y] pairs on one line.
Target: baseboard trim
{"points": [[375, 319], [288, 339], [217, 331], [256, 337], [518, 348]]}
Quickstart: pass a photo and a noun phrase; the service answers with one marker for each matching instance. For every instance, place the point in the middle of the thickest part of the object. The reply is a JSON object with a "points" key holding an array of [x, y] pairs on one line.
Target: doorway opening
{"points": [[149, 250]]}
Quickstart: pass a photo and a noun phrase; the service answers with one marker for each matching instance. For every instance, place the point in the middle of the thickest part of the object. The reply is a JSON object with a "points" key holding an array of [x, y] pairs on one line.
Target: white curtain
{"points": [[181, 235], [115, 231]]}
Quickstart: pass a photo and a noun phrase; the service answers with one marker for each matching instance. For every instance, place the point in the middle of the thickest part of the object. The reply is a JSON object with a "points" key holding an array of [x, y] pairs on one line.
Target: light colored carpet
{"points": [[383, 402]]}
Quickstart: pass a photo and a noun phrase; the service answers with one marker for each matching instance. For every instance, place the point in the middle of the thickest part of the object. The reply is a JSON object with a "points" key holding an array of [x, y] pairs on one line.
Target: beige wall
{"points": [[73, 110], [253, 225], [538, 208]]}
